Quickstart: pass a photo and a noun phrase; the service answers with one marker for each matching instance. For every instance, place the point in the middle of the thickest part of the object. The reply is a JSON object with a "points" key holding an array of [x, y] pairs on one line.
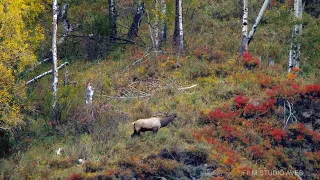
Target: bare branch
{"points": [[3, 128], [127, 97], [189, 87], [46, 73], [291, 116], [138, 60], [150, 29]]}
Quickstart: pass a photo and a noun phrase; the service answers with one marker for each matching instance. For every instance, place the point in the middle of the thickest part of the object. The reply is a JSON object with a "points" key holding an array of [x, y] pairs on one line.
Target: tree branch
{"points": [[189, 87], [46, 73], [3, 128]]}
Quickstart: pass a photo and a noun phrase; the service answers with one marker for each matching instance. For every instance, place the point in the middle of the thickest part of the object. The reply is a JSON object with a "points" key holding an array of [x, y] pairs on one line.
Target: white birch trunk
{"points": [[156, 26], [163, 34], [254, 27], [297, 62], [66, 77], [90, 92], [294, 54], [113, 17], [54, 56], [180, 26], [150, 29], [290, 59], [298, 30], [244, 46]]}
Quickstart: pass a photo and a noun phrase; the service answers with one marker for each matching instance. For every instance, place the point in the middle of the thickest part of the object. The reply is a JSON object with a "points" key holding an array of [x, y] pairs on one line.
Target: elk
{"points": [[151, 124]]}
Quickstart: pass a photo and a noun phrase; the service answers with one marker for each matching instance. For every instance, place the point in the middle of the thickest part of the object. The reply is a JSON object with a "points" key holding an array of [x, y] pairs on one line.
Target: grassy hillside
{"points": [[231, 124]]}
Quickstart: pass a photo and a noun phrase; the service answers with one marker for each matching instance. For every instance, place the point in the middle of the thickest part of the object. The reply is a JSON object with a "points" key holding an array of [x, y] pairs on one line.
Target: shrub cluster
{"points": [[248, 130]]}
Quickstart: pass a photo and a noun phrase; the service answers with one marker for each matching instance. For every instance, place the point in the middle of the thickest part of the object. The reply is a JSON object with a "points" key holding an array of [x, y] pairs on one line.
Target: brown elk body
{"points": [[151, 124]]}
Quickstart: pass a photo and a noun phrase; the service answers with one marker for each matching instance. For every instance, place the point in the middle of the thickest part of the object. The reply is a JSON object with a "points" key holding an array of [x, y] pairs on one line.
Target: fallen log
{"points": [[184, 88], [46, 73]]}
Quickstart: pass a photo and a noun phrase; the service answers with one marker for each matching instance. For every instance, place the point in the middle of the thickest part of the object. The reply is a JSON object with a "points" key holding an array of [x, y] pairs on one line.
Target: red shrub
{"points": [[241, 101], [197, 136], [264, 127], [265, 80], [247, 56], [300, 137], [246, 140], [249, 60], [260, 109], [217, 114], [306, 131], [162, 58], [229, 161], [75, 176], [218, 178], [313, 156], [249, 108], [257, 151], [312, 90], [228, 131], [278, 134]]}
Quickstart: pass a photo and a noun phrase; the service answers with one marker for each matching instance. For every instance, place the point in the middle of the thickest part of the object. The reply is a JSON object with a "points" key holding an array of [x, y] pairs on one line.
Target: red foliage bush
{"points": [[247, 56], [312, 90], [241, 101], [260, 109], [306, 131], [265, 80], [229, 161], [162, 58], [250, 126], [202, 52], [300, 137], [291, 90], [75, 176], [257, 151], [218, 114], [250, 61], [313, 156], [278, 134]]}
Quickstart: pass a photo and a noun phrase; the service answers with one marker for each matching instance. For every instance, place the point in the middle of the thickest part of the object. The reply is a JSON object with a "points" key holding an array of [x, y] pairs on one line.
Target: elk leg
{"points": [[155, 130]]}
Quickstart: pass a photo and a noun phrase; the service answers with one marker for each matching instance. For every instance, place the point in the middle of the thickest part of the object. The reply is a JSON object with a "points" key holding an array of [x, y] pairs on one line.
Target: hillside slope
{"points": [[237, 116]]}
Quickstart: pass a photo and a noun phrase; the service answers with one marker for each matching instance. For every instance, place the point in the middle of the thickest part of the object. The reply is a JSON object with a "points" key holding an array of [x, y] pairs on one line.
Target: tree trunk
{"points": [[150, 30], [156, 26], [133, 32], [66, 25], [290, 58], [294, 54], [163, 34], [54, 58], [113, 18], [178, 28], [90, 92], [298, 30], [244, 46], [254, 27]]}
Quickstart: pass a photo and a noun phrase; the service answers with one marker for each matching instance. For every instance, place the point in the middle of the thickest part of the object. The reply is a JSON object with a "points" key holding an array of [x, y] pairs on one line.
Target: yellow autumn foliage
{"points": [[18, 44]]}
